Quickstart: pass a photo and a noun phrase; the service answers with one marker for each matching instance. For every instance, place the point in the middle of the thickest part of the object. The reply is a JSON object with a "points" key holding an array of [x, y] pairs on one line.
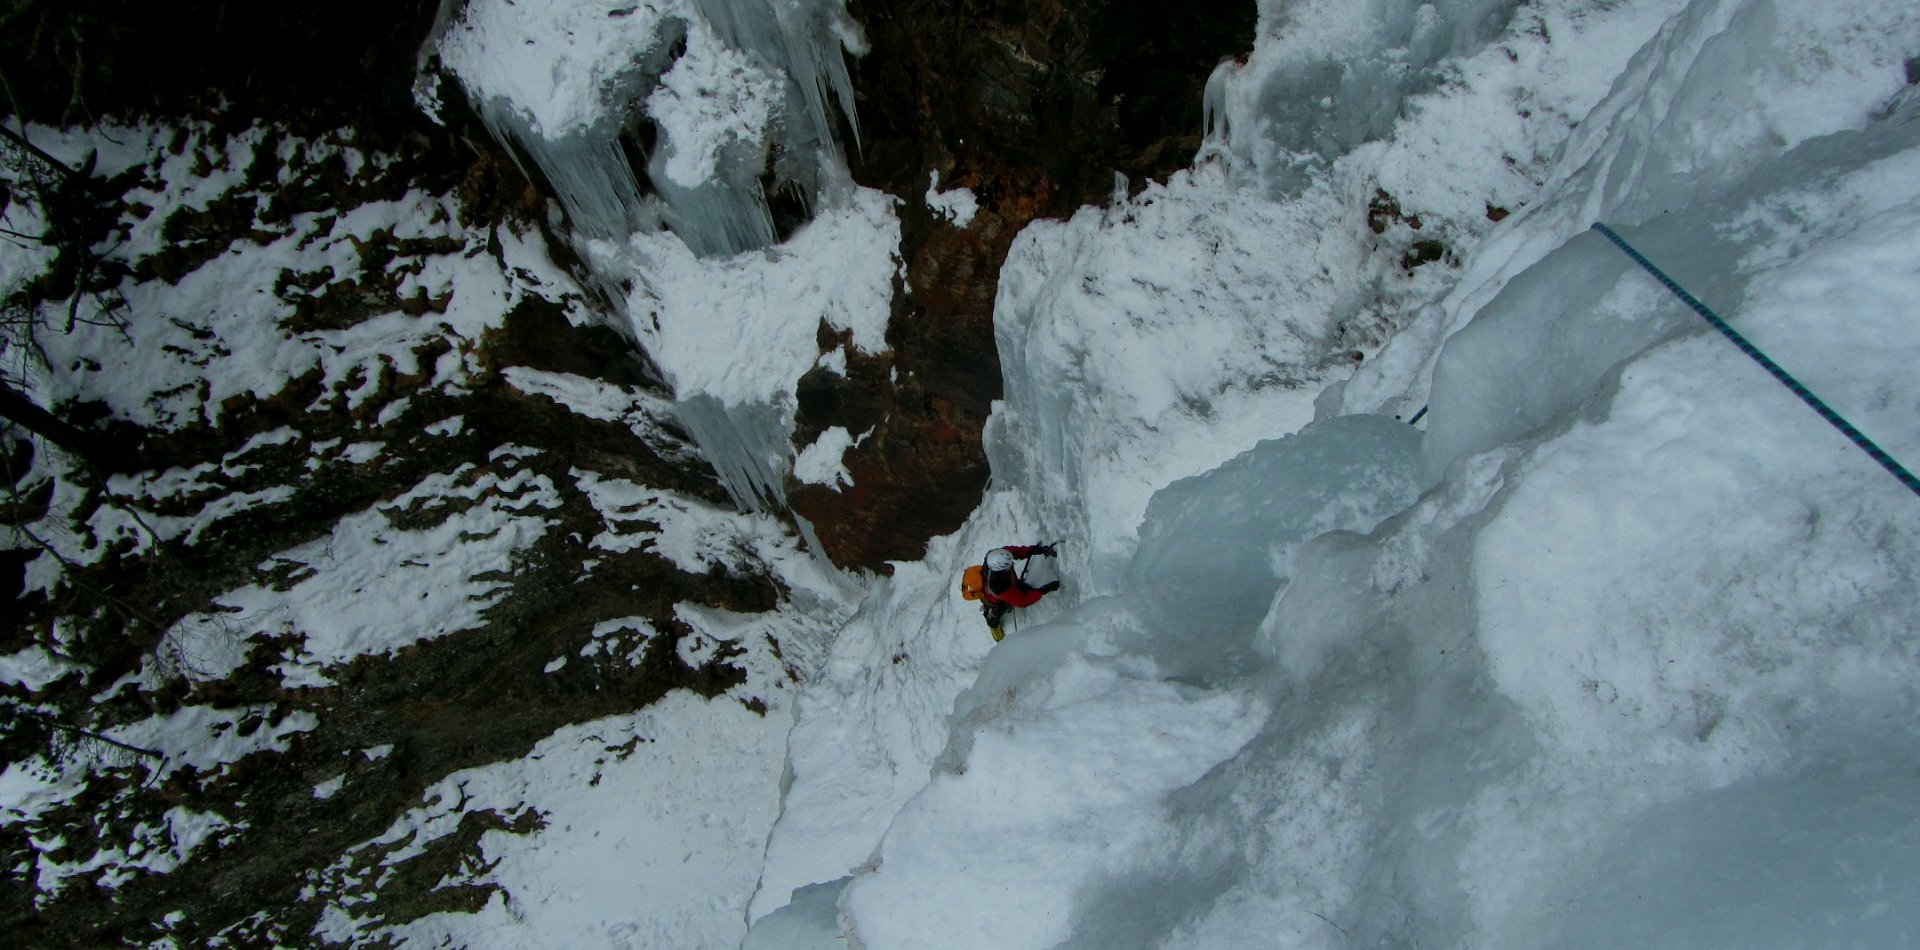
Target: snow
{"points": [[219, 332], [222, 332], [1324, 78], [650, 827], [807, 41], [157, 849], [23, 260], [1068, 783], [820, 463], [377, 583], [34, 668], [176, 487], [693, 314], [1616, 650], [694, 264], [360, 453], [643, 413], [714, 110], [957, 206], [698, 126], [724, 82], [693, 536], [559, 62], [203, 738]]}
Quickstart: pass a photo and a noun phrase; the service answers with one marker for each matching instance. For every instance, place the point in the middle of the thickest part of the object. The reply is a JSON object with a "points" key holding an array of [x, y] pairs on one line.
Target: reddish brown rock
{"points": [[1033, 106]]}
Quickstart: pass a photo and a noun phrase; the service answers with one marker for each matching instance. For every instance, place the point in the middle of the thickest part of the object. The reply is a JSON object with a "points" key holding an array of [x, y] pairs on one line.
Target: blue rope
{"points": [[1793, 385]]}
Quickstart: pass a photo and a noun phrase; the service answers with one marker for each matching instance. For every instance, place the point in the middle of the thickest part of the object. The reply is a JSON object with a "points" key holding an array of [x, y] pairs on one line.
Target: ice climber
{"points": [[1004, 590]]}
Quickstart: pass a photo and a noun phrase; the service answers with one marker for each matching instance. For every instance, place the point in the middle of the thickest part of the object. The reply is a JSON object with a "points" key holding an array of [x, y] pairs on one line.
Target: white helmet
{"points": [[999, 559]]}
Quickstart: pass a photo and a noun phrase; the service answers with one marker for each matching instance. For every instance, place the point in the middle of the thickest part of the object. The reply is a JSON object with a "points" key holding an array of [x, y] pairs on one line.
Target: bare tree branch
{"points": [[15, 407], [22, 141], [56, 723]]}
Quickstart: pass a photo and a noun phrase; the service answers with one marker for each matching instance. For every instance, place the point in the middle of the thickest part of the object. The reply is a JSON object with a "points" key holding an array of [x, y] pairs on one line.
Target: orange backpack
{"points": [[973, 583]]}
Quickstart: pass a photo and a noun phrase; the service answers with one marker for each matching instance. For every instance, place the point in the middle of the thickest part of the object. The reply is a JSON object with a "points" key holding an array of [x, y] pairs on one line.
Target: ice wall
{"points": [[1696, 868], [1723, 106], [1215, 548], [1142, 343], [1151, 340], [1325, 77], [1634, 668]]}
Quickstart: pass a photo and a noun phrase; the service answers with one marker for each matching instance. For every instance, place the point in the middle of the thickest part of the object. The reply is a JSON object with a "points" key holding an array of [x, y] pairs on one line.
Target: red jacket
{"points": [[1008, 589]]}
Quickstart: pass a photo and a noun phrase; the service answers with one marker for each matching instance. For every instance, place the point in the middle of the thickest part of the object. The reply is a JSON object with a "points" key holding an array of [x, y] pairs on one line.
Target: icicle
{"points": [[804, 40], [1215, 129], [561, 85], [715, 219], [747, 445], [728, 85], [588, 172]]}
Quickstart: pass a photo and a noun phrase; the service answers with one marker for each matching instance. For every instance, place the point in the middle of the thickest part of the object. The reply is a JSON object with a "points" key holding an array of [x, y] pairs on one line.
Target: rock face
{"points": [[485, 694], [334, 80], [1034, 107]]}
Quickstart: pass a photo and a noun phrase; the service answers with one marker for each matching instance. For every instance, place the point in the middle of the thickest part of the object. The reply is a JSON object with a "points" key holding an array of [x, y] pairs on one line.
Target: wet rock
{"points": [[1423, 252]]}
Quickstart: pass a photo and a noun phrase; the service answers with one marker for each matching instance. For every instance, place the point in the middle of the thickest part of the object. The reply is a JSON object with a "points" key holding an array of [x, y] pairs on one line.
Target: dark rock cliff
{"points": [[1035, 107]]}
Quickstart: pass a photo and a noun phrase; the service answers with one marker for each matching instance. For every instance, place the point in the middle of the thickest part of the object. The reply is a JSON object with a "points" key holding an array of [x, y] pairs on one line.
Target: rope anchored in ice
{"points": [[1773, 369]]}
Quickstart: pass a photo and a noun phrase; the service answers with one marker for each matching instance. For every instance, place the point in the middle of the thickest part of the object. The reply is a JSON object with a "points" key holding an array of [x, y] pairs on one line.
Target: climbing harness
{"points": [[1866, 445]]}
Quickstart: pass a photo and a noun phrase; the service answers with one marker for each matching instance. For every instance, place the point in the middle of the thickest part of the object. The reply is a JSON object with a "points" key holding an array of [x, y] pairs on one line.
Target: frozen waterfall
{"points": [[1618, 651], [722, 84], [1331, 76], [659, 125]]}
